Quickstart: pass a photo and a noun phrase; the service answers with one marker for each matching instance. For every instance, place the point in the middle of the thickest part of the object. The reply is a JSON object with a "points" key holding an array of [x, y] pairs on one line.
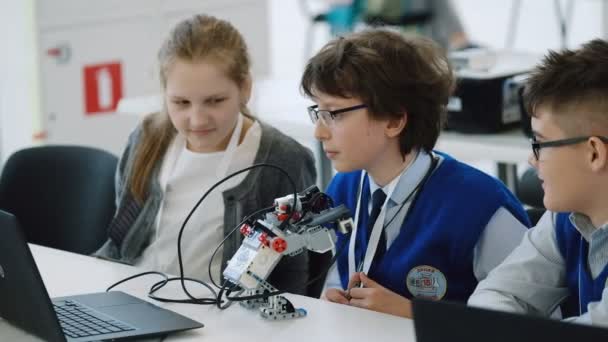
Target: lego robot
{"points": [[292, 227]]}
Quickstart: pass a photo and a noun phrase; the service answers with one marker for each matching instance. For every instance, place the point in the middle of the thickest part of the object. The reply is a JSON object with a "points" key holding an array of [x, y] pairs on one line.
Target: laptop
{"points": [[445, 321], [25, 302]]}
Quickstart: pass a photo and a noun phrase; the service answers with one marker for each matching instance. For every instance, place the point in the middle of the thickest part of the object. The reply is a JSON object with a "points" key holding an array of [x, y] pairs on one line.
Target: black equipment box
{"points": [[487, 98]]}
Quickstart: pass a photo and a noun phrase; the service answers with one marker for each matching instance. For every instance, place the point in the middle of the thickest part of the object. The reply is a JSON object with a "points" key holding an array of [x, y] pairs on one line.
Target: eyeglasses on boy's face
{"points": [[536, 145], [328, 116]]}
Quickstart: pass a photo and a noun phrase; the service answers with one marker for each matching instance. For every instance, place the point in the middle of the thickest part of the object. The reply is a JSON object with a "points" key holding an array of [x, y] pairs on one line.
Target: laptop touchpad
{"points": [[104, 299]]}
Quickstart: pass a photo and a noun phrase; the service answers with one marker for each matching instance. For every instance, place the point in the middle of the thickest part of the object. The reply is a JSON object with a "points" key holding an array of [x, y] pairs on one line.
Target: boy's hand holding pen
{"points": [[363, 292], [354, 282]]}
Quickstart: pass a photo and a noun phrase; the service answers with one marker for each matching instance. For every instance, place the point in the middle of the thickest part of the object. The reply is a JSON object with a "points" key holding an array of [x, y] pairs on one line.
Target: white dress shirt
{"points": [[533, 278], [185, 176]]}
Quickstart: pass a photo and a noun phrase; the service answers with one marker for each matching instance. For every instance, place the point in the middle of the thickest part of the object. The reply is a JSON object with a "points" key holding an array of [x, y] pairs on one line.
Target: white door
{"points": [[84, 56]]}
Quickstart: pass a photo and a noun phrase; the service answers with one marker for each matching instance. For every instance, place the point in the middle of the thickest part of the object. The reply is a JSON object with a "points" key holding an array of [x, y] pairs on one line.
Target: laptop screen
{"points": [[445, 321], [24, 300]]}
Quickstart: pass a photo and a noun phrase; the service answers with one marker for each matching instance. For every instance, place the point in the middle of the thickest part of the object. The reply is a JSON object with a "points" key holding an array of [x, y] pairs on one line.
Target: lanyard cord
{"points": [[419, 186]]}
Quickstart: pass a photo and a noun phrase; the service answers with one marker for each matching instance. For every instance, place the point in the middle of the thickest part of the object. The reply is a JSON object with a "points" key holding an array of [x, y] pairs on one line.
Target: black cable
{"points": [[315, 198], [265, 295], [160, 284], [181, 231], [203, 301], [417, 190], [137, 276], [224, 288], [228, 302], [226, 238], [216, 297]]}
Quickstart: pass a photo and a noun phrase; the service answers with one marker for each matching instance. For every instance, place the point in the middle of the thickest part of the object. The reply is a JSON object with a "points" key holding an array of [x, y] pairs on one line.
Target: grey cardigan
{"points": [[132, 228]]}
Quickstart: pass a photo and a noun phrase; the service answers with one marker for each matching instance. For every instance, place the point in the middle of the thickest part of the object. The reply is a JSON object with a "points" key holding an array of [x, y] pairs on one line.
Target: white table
{"points": [[69, 274], [510, 147]]}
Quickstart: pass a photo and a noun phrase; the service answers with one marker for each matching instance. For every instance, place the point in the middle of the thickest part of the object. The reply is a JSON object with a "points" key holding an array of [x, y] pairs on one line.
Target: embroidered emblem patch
{"points": [[426, 282]]}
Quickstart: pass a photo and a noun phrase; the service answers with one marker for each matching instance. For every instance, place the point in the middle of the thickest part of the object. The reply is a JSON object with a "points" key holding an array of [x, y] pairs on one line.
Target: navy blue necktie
{"points": [[378, 199]]}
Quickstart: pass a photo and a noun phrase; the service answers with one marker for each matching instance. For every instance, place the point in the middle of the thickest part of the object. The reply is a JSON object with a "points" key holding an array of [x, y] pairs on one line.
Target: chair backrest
{"points": [[62, 195], [530, 192]]}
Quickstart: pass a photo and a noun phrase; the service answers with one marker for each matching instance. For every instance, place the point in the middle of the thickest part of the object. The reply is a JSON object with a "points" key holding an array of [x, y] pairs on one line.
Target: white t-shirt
{"points": [[185, 176]]}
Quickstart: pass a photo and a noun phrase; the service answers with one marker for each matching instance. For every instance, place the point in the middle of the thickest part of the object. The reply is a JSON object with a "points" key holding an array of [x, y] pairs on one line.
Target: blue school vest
{"points": [[583, 288], [432, 255]]}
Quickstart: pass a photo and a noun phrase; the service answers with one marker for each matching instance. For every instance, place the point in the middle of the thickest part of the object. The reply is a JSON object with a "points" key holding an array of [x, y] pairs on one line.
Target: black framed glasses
{"points": [[536, 145], [328, 116]]}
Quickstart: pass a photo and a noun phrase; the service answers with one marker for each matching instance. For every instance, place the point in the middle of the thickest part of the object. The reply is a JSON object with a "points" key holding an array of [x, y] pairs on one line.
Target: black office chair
{"points": [[63, 196], [530, 193]]}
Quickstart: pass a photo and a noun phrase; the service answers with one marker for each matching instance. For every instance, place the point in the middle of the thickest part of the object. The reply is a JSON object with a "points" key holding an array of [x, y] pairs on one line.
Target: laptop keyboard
{"points": [[79, 321]]}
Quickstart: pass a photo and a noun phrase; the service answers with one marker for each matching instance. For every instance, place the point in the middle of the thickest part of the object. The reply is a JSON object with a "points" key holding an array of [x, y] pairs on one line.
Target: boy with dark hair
{"points": [[563, 260], [426, 225]]}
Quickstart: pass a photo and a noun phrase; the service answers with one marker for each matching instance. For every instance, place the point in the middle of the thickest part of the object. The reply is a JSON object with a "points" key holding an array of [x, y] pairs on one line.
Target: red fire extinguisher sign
{"points": [[102, 87]]}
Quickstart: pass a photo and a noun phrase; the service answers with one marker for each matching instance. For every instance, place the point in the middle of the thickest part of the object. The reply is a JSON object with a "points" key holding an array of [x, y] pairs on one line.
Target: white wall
{"points": [[19, 95], [537, 30], [288, 33], [605, 19]]}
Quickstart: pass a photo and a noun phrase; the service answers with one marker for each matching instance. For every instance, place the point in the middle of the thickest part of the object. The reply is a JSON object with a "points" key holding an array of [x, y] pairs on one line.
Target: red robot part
{"points": [[264, 239], [245, 229], [279, 244]]}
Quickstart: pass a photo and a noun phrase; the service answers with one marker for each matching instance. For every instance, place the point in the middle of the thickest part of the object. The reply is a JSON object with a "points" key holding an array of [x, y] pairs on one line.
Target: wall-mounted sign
{"points": [[102, 87]]}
